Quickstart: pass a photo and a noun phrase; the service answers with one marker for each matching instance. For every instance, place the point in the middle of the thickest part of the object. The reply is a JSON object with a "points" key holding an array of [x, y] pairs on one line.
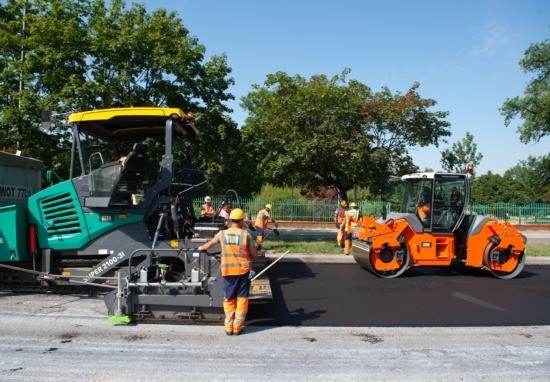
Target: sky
{"points": [[464, 54]]}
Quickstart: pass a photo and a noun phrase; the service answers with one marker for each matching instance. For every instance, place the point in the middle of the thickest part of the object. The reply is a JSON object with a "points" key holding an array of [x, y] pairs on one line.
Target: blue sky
{"points": [[465, 55]]}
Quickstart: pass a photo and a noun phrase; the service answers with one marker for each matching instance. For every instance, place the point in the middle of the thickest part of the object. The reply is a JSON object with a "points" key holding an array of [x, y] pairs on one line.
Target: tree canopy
{"points": [[461, 155], [534, 107], [67, 56], [330, 132], [533, 174]]}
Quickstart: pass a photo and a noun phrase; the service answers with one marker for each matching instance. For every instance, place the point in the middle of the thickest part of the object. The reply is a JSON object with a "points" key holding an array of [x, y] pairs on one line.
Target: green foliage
{"points": [[534, 107], [534, 111], [324, 133], [460, 155], [276, 194], [494, 188], [534, 175], [86, 54]]}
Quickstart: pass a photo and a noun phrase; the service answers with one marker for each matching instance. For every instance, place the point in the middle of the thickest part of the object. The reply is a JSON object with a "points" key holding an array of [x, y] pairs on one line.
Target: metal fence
{"points": [[293, 210]]}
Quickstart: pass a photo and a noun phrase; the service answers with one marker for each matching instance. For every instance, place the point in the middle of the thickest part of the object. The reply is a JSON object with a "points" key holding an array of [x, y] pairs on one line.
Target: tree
{"points": [[82, 55], [336, 133], [494, 188], [534, 175], [461, 155], [534, 107]]}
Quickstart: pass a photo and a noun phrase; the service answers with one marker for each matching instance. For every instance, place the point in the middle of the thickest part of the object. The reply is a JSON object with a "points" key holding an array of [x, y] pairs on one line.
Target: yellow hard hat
{"points": [[352, 204], [236, 214], [268, 206], [343, 203]]}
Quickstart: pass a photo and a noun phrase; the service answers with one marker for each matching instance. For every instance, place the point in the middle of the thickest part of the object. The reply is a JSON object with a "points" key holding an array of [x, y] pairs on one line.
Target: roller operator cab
{"points": [[434, 228], [125, 219]]}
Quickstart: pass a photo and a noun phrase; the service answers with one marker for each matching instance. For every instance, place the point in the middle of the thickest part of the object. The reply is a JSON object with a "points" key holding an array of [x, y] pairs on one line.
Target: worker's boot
{"points": [[347, 247]]}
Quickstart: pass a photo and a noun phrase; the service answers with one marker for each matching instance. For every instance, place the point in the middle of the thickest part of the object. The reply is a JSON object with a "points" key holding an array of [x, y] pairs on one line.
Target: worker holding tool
{"points": [[339, 220], [352, 218], [236, 264], [207, 209], [262, 219]]}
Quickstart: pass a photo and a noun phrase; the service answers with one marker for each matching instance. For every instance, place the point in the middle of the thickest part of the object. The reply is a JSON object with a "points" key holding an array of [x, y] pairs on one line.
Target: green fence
{"points": [[296, 210], [535, 213], [291, 210]]}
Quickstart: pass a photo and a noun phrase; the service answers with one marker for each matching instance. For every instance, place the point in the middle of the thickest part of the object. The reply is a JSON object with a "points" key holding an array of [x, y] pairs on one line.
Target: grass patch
{"points": [[320, 246], [302, 246], [537, 249]]}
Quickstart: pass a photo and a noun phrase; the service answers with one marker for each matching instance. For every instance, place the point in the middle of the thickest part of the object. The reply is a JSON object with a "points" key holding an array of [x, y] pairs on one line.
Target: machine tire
{"points": [[505, 275], [367, 259]]}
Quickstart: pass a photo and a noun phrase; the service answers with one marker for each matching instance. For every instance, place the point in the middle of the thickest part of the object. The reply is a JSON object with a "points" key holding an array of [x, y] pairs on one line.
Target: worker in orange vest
{"points": [[339, 220], [236, 263], [207, 209], [262, 219], [352, 218]]}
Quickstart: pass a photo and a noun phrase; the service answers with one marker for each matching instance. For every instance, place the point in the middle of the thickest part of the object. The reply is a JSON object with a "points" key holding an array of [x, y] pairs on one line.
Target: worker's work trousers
{"points": [[259, 236], [340, 235], [347, 244], [235, 305]]}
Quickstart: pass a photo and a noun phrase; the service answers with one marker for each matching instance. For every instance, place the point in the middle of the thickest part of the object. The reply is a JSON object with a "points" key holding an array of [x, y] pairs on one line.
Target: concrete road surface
{"points": [[68, 338]]}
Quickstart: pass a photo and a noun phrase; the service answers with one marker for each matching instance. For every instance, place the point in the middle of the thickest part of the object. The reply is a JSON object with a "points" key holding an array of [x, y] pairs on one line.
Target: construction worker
{"points": [[207, 209], [237, 252], [425, 206], [225, 211], [262, 219], [352, 218], [339, 220]]}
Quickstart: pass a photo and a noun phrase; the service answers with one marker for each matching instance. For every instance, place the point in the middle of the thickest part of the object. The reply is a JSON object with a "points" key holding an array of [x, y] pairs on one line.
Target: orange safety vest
{"points": [[209, 209], [352, 217], [341, 214], [261, 219], [235, 257]]}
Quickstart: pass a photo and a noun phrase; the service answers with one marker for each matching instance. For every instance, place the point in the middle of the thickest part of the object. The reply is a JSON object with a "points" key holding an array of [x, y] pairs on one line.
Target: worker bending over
{"points": [[262, 219]]}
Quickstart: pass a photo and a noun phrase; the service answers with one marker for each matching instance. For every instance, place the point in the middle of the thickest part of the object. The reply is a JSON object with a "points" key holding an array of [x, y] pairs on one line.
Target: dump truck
{"points": [[433, 227], [123, 222]]}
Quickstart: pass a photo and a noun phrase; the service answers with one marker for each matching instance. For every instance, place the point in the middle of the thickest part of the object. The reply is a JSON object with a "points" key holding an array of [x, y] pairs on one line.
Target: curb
{"points": [[344, 259]]}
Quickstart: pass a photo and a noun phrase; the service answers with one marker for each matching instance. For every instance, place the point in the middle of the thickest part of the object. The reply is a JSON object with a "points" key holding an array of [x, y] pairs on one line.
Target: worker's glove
{"points": [[251, 275], [275, 224], [338, 225]]}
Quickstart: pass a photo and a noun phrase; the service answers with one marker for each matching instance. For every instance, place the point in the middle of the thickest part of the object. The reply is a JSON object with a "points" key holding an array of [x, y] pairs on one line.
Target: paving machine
{"points": [[115, 223], [434, 228]]}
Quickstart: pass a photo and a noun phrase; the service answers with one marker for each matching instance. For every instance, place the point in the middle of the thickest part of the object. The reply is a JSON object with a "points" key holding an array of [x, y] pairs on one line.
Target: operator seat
{"points": [[133, 170], [133, 174]]}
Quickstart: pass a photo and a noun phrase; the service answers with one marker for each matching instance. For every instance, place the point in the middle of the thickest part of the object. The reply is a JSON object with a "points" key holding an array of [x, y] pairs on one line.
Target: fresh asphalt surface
{"points": [[312, 294], [333, 290]]}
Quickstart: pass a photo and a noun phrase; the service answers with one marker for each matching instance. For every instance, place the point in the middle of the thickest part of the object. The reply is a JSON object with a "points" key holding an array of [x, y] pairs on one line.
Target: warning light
{"points": [[106, 218]]}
